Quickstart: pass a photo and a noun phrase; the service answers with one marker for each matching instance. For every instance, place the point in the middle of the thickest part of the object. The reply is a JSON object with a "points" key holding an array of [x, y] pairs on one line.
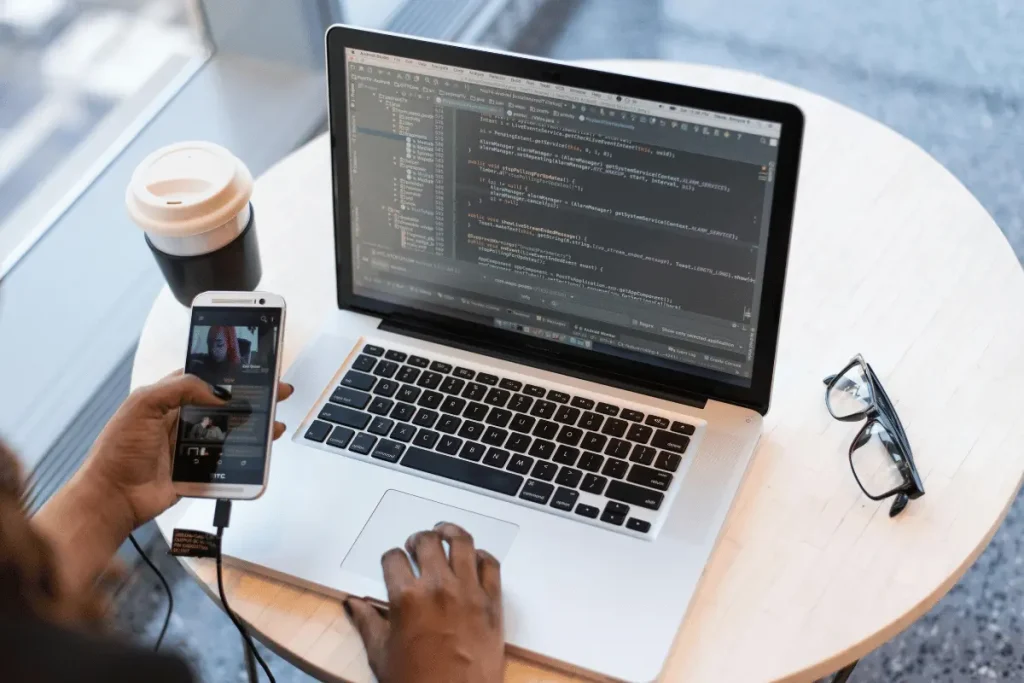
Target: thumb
{"points": [[175, 392], [373, 629]]}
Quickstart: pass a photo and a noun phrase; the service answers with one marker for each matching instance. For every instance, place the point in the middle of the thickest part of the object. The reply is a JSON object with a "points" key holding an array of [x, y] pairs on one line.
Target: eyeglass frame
{"points": [[880, 411]]}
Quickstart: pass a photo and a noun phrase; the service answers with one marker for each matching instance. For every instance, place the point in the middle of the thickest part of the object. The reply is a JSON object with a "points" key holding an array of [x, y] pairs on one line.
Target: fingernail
{"points": [[442, 522], [347, 607], [220, 392]]}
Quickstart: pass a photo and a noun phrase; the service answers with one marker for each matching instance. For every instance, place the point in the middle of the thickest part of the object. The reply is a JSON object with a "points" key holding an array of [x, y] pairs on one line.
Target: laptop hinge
{"points": [[519, 354]]}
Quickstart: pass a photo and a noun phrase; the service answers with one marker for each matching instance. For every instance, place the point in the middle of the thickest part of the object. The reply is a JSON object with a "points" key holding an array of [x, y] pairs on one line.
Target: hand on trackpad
{"points": [[399, 515]]}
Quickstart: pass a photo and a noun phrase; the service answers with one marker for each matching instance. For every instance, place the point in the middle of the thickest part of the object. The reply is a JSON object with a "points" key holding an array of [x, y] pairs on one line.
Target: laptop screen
{"points": [[626, 227]]}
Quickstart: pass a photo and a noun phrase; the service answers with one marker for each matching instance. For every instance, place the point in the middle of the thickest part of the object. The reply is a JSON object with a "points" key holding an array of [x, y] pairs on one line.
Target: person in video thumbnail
{"points": [[223, 355], [205, 430]]}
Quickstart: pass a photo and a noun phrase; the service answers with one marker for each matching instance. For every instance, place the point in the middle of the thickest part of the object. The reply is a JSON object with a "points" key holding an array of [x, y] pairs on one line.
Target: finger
{"points": [[177, 373], [428, 553], [489, 570], [461, 551], [279, 429], [397, 573], [284, 390], [178, 391], [373, 629]]}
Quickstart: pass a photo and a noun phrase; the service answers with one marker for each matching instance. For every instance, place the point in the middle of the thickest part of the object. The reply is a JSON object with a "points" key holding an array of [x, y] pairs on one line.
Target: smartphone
{"points": [[234, 342]]}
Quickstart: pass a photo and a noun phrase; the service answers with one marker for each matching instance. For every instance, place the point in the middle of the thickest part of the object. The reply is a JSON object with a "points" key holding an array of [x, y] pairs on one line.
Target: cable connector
{"points": [[222, 514]]}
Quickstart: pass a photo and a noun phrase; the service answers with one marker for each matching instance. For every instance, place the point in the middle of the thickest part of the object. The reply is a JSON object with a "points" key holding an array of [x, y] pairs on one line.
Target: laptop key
{"points": [[463, 373], [350, 397], [614, 513], [449, 444], [474, 391], [364, 363], [409, 394], [471, 430], [426, 438], [520, 464], [472, 451], [498, 417], [380, 426], [340, 437], [639, 433], [381, 406], [646, 476], [543, 470], [452, 385], [683, 428], [668, 441], [569, 435], [534, 390], [631, 415], [566, 455], [510, 384], [418, 361], [615, 468], [389, 451], [638, 525], [449, 424], [634, 495], [591, 421], [462, 471], [544, 409], [558, 396], [404, 433], [344, 416], [588, 511], [396, 356], [407, 374], [520, 403], [565, 499], [429, 380], [496, 458], [494, 436], [537, 491], [403, 412], [614, 427], [438, 366], [358, 380], [569, 476], [476, 411], [430, 399], [425, 418], [591, 462], [545, 429], [373, 350], [386, 387], [318, 431], [542, 449], [518, 443], [522, 423], [584, 403], [453, 405], [593, 442], [607, 409], [668, 461], [484, 378], [655, 421], [497, 397], [593, 483], [643, 454], [363, 443], [386, 368], [618, 448], [567, 415]]}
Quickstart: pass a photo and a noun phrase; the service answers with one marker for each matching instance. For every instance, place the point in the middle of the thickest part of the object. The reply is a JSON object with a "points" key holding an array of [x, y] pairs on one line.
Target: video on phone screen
{"points": [[235, 349]]}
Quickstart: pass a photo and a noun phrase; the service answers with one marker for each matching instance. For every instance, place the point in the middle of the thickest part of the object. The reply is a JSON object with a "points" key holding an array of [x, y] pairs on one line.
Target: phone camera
{"points": [[262, 301], [618, 98]]}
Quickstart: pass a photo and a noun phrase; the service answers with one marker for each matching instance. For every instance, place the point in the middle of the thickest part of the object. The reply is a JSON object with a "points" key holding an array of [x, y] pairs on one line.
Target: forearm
{"points": [[85, 523]]}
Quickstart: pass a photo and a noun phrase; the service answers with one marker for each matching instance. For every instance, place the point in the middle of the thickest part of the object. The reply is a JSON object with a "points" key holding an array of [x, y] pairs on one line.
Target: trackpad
{"points": [[399, 515]]}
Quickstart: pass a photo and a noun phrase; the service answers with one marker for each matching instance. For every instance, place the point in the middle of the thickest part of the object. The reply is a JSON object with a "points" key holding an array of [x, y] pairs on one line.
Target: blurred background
{"points": [[89, 87]]}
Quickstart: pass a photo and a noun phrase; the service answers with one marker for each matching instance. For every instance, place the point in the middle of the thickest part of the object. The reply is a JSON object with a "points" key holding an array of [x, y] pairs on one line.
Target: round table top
{"points": [[891, 257]]}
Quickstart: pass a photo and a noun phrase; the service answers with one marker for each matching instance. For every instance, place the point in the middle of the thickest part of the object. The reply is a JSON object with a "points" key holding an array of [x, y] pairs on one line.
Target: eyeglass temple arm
{"points": [[828, 380]]}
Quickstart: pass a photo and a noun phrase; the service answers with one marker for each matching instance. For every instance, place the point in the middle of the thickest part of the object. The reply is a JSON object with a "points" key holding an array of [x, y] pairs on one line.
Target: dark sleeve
{"points": [[35, 651]]}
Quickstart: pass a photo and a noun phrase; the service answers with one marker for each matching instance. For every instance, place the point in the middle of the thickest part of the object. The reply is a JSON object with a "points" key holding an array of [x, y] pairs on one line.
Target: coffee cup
{"points": [[192, 201]]}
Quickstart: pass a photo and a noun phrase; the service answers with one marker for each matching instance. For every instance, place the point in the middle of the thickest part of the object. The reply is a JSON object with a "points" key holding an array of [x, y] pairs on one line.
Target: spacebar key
{"points": [[462, 470]]}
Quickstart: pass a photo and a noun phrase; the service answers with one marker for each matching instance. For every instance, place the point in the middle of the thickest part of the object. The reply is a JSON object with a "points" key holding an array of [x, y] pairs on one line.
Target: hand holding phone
{"points": [[235, 345]]}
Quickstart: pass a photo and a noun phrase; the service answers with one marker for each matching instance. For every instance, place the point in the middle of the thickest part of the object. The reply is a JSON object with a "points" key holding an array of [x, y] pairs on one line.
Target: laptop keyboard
{"points": [[596, 460]]}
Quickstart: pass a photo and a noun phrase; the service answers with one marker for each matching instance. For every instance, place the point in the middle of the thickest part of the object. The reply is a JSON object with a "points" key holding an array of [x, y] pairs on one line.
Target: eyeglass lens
{"points": [[850, 394], [876, 460]]}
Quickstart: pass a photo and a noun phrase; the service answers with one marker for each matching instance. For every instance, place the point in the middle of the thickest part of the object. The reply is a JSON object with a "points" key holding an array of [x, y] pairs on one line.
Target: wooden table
{"points": [[891, 257]]}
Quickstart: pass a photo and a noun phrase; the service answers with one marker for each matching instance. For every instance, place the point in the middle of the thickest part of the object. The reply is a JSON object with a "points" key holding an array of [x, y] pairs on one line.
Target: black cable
{"points": [[167, 588], [221, 518]]}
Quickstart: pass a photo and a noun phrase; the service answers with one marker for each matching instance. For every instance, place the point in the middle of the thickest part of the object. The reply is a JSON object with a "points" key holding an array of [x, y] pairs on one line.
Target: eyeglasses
{"points": [[880, 454]]}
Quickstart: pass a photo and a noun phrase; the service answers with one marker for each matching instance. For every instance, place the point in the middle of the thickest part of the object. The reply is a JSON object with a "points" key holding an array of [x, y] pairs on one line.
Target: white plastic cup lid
{"points": [[190, 197]]}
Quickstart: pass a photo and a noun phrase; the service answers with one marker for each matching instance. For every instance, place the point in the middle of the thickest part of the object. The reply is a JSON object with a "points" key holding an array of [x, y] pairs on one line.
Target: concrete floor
{"points": [[947, 75]]}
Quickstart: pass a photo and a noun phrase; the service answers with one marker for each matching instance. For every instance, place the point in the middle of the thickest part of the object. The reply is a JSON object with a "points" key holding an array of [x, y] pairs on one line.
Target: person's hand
{"points": [[445, 626], [131, 459]]}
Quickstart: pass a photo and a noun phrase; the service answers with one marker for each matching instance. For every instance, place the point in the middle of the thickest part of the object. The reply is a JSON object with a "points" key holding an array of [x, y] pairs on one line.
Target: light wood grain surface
{"points": [[891, 257]]}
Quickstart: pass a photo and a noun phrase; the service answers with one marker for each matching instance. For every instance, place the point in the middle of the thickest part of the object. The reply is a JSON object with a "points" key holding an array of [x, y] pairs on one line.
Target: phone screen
{"points": [[236, 349]]}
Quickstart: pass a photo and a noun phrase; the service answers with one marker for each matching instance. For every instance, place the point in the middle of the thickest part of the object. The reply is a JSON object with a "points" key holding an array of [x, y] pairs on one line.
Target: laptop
{"points": [[559, 294]]}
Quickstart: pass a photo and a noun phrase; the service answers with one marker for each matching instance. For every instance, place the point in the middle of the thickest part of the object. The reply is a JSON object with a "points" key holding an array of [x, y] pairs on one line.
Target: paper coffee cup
{"points": [[192, 201]]}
